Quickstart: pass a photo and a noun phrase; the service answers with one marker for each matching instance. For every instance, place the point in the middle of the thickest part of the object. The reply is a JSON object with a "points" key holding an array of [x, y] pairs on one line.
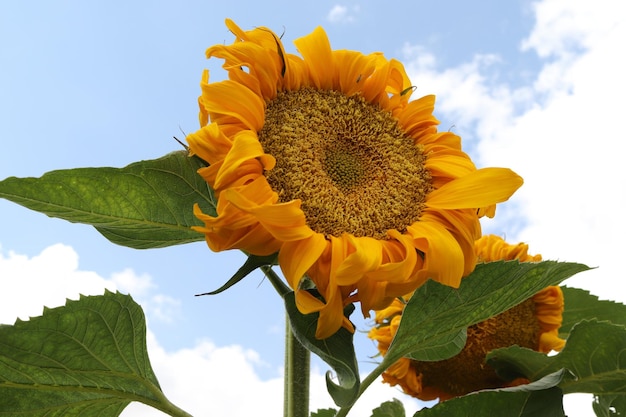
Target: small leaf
{"points": [[581, 305], [435, 318], [337, 351], [325, 412], [594, 354], [393, 408], [87, 358], [252, 262], [148, 204], [540, 399]]}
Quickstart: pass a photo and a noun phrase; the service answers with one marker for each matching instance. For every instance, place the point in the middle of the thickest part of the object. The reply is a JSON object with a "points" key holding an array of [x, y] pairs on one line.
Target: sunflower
{"points": [[324, 160], [532, 324]]}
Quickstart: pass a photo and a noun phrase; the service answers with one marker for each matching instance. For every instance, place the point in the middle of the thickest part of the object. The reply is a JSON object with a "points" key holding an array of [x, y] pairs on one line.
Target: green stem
{"points": [[297, 375], [297, 360], [163, 404], [277, 282]]}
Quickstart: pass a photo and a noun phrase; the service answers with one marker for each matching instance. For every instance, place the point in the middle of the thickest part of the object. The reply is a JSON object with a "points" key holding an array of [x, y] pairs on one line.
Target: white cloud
{"points": [[564, 27], [48, 279], [342, 14], [211, 380]]}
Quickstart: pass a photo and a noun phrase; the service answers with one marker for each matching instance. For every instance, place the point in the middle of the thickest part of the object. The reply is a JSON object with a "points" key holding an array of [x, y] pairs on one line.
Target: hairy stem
{"points": [[297, 375]]}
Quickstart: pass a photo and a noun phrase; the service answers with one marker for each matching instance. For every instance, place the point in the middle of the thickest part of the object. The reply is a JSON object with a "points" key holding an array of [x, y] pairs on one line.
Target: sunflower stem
{"points": [[297, 374], [280, 287]]}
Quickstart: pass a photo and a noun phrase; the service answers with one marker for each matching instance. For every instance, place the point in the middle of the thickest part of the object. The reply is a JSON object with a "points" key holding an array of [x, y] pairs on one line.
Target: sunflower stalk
{"points": [[297, 360], [297, 375]]}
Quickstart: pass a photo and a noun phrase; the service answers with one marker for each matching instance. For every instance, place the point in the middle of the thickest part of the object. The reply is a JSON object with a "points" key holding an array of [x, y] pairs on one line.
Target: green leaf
{"points": [[609, 405], [148, 204], [252, 263], [594, 354], [540, 399], [581, 305], [86, 358], [325, 412], [393, 408], [435, 319], [337, 351]]}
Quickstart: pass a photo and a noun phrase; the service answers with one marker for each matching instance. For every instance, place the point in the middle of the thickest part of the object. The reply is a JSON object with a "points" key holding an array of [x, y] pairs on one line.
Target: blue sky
{"points": [[531, 85]]}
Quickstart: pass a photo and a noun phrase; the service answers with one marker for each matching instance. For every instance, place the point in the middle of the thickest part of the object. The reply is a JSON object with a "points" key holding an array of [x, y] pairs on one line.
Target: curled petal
{"points": [[230, 102], [296, 257], [366, 256], [245, 157], [443, 259], [481, 188]]}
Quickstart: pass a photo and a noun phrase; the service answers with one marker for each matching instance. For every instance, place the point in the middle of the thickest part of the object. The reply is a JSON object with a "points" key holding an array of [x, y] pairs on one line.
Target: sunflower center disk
{"points": [[347, 160], [344, 168]]}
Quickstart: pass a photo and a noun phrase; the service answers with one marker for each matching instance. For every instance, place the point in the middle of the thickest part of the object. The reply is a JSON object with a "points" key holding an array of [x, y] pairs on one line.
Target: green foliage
{"points": [[147, 204], [434, 321], [325, 412], [89, 357], [337, 351], [540, 399], [252, 263], [609, 405], [594, 354], [393, 408], [86, 358], [580, 305]]}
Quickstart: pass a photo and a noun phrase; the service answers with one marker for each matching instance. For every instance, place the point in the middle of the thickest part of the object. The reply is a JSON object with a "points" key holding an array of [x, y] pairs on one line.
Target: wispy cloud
{"points": [[53, 276], [342, 14]]}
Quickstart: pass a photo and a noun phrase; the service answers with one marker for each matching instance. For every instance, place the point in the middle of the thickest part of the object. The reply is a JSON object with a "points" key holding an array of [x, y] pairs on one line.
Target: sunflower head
{"points": [[324, 158], [532, 324]]}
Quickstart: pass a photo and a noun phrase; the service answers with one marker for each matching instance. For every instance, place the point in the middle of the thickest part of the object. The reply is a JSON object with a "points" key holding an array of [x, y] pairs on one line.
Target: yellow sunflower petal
{"points": [[479, 189], [209, 143], [230, 102], [315, 49], [366, 257], [331, 318], [296, 257], [444, 258], [418, 115], [285, 220], [251, 65], [245, 151], [352, 69]]}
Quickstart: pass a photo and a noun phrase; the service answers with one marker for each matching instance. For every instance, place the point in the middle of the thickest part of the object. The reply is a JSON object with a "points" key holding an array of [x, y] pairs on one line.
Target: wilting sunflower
{"points": [[532, 324], [324, 159]]}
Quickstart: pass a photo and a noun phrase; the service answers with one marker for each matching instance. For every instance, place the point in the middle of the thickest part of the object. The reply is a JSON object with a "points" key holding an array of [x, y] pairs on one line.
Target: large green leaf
{"points": [[539, 399], [147, 204], [87, 358], [337, 351], [435, 318], [581, 305], [594, 354]]}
